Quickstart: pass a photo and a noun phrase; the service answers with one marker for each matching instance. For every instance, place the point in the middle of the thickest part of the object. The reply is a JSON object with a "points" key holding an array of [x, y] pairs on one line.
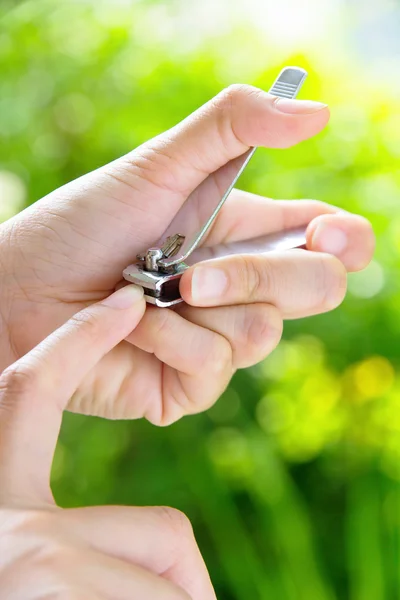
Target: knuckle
{"points": [[162, 324], [153, 163], [87, 324], [228, 103], [216, 357], [220, 355], [234, 95], [263, 327], [261, 332], [175, 521], [251, 281], [18, 381]]}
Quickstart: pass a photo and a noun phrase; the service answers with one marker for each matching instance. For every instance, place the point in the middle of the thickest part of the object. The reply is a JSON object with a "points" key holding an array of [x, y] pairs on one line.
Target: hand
{"points": [[69, 250], [90, 553]]}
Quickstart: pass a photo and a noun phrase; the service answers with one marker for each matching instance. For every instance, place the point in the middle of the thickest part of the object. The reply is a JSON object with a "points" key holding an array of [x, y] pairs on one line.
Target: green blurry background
{"points": [[292, 481]]}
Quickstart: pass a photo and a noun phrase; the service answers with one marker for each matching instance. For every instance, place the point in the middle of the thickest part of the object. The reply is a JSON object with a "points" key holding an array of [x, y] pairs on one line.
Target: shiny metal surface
{"points": [[205, 202], [157, 286], [274, 242], [160, 267], [159, 289]]}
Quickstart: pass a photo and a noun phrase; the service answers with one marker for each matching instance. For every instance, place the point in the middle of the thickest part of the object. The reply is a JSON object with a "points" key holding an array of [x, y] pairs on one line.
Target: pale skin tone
{"points": [[69, 250], [101, 553], [66, 253]]}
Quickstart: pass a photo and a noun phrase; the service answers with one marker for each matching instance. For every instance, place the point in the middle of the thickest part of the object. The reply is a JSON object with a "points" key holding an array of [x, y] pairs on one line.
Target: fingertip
{"points": [[185, 285], [204, 284], [298, 121], [258, 118], [348, 237], [363, 246], [125, 297], [327, 235]]}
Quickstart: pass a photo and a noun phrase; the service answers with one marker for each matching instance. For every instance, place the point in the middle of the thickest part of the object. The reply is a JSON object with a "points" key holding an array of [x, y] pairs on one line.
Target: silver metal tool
{"points": [[160, 268]]}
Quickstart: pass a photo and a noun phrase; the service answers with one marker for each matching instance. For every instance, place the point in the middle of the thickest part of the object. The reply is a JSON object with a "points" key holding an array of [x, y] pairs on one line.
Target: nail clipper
{"points": [[159, 269]]}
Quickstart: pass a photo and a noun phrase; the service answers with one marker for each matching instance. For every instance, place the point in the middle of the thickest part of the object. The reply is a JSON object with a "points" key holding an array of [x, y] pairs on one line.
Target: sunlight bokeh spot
{"points": [[12, 194], [320, 392], [229, 451], [51, 150], [374, 377], [301, 445], [74, 113], [275, 413], [367, 283]]}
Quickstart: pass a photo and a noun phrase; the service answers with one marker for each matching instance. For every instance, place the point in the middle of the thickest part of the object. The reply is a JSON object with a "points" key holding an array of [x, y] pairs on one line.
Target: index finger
{"points": [[247, 217], [35, 390]]}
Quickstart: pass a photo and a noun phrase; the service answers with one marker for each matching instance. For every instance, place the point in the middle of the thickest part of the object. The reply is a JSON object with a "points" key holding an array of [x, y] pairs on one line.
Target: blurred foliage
{"points": [[292, 481]]}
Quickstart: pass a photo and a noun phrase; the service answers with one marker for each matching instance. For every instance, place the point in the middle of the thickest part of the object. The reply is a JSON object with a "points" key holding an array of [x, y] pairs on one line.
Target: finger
{"points": [[197, 364], [225, 127], [59, 570], [118, 580], [177, 161], [245, 216], [159, 539], [135, 197], [297, 282], [252, 330], [349, 237], [36, 389]]}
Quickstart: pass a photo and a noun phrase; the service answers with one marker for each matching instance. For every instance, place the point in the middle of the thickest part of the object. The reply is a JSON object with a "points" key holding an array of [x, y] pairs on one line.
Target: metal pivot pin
{"points": [[160, 268]]}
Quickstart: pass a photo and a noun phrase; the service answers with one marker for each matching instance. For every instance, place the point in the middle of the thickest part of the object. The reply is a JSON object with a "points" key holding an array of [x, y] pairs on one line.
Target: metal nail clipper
{"points": [[160, 268]]}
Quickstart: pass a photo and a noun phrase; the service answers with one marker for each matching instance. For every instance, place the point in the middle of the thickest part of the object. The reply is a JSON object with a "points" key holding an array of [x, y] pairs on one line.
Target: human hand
{"points": [[69, 250], [108, 552]]}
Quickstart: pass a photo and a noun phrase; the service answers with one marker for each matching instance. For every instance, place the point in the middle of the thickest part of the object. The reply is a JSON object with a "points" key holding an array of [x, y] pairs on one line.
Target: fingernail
{"points": [[330, 239], [208, 283], [125, 297], [298, 107]]}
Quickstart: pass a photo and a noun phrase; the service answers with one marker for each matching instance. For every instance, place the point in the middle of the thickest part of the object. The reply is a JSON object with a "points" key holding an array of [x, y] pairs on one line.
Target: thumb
{"points": [[36, 389], [166, 169]]}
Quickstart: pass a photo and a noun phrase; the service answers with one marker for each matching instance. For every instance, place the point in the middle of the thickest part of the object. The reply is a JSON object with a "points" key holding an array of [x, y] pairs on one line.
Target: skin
{"points": [[99, 553], [68, 251], [119, 359]]}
